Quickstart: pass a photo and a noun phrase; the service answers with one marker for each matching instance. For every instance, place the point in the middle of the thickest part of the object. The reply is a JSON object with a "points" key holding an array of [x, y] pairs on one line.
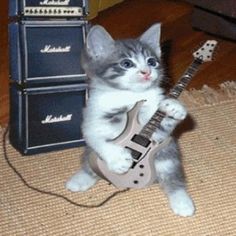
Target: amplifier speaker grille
{"points": [[46, 118], [47, 51]]}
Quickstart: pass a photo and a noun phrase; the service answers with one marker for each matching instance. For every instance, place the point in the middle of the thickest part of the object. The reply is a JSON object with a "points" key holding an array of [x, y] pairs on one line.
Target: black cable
{"points": [[19, 175]]}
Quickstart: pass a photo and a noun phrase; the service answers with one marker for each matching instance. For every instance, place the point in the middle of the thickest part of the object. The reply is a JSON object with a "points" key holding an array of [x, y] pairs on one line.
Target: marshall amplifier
{"points": [[46, 118], [46, 51], [48, 8]]}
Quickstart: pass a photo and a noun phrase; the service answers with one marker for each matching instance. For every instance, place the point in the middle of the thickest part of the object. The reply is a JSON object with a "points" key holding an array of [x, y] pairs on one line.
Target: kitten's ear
{"points": [[151, 37], [99, 42]]}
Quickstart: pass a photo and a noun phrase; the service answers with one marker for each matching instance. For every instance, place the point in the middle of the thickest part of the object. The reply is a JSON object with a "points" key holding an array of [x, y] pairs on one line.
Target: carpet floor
{"points": [[208, 144]]}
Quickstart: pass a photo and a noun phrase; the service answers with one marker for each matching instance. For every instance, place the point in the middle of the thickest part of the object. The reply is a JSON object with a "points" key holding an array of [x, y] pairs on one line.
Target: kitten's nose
{"points": [[145, 72]]}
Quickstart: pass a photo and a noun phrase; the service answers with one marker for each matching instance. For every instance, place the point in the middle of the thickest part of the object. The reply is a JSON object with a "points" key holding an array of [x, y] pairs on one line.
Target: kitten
{"points": [[123, 72]]}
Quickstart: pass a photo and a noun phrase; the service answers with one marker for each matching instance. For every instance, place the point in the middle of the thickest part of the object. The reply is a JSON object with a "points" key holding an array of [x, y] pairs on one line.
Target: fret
{"points": [[179, 87], [146, 134], [191, 70], [151, 126], [185, 80], [149, 129], [182, 85], [159, 114], [174, 94], [157, 119], [194, 66]]}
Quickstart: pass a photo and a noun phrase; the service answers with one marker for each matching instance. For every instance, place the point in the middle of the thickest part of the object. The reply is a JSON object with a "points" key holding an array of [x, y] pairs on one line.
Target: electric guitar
{"points": [[138, 139]]}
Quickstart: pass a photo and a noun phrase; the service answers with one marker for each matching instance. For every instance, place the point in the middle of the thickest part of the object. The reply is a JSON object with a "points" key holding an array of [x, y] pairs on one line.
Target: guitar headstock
{"points": [[205, 52]]}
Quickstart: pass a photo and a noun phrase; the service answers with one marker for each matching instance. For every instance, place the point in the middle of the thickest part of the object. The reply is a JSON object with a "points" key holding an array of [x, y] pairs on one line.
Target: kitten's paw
{"points": [[80, 182], [121, 162], [181, 203], [159, 136], [173, 108]]}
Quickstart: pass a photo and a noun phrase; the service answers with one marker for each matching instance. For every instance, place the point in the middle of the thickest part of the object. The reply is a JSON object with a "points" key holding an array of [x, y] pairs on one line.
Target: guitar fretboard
{"points": [[158, 116]]}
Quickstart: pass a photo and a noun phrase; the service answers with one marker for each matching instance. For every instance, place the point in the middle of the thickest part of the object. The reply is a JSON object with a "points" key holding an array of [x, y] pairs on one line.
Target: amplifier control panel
{"points": [[53, 11], [48, 8]]}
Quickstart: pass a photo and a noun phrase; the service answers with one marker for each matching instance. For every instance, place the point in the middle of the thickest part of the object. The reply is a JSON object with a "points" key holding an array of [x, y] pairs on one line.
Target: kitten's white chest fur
{"points": [[103, 102], [108, 100]]}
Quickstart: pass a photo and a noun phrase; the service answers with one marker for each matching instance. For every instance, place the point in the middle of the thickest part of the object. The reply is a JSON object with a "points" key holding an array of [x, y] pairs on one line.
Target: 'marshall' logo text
{"points": [[55, 2], [51, 49], [55, 119]]}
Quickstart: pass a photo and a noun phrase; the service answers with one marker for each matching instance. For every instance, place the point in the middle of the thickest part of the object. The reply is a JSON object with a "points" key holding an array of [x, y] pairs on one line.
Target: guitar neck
{"points": [[185, 79], [183, 82]]}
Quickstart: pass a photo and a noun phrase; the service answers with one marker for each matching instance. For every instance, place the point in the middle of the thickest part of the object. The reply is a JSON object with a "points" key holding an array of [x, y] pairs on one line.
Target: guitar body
{"points": [[143, 172]]}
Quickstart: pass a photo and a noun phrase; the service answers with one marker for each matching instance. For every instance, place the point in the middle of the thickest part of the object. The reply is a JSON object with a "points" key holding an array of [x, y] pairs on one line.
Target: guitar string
{"points": [[148, 129], [49, 193]]}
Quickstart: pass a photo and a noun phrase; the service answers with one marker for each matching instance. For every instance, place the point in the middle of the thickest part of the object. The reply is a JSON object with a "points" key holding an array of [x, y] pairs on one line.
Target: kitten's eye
{"points": [[151, 61], [126, 63]]}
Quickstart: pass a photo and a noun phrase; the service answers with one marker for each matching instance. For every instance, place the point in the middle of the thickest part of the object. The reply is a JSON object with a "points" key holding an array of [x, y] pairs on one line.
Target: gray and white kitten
{"points": [[123, 72]]}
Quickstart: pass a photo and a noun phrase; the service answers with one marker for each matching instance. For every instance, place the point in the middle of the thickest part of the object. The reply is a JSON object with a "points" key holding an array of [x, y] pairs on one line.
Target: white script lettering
{"points": [[55, 119], [50, 49], [55, 2]]}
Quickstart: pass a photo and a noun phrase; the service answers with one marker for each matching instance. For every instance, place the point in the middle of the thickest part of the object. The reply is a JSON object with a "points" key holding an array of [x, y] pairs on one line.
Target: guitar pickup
{"points": [[141, 140]]}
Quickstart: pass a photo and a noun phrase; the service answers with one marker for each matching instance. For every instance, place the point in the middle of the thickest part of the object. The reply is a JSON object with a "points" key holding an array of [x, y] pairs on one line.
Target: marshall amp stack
{"points": [[47, 84]]}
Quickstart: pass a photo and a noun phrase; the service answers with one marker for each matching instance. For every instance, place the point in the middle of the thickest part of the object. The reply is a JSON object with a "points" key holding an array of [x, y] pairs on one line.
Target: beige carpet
{"points": [[209, 157]]}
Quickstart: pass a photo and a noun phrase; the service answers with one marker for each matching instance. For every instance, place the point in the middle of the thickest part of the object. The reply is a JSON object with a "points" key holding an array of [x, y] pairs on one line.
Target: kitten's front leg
{"points": [[97, 135], [175, 113]]}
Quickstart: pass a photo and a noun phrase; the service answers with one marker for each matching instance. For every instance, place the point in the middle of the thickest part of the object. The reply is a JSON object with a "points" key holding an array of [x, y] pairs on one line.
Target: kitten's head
{"points": [[132, 64]]}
